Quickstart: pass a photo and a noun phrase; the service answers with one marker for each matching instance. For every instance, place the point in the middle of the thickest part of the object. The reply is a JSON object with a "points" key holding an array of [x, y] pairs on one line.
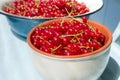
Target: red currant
{"points": [[46, 8], [74, 37]]}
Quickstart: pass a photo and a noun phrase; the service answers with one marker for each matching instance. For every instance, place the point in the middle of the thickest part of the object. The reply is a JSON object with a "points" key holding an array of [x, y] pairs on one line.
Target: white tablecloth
{"points": [[16, 62]]}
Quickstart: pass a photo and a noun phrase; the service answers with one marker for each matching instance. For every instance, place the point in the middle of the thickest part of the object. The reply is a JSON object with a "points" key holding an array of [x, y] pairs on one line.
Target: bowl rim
{"points": [[108, 43], [37, 18]]}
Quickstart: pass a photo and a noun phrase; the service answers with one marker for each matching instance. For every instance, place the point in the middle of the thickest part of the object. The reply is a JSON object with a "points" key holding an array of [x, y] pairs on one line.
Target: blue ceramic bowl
{"points": [[22, 25]]}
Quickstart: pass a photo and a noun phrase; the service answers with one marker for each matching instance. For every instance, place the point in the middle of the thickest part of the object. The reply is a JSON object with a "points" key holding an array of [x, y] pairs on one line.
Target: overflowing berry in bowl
{"points": [[66, 45], [67, 36], [46, 8]]}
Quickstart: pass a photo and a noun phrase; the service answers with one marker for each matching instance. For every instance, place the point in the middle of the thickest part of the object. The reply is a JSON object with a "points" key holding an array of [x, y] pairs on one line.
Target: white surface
{"points": [[116, 46], [15, 60]]}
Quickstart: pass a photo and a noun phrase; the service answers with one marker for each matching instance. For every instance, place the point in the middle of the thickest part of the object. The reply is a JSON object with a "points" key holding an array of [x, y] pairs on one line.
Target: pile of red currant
{"points": [[45, 8], [67, 37]]}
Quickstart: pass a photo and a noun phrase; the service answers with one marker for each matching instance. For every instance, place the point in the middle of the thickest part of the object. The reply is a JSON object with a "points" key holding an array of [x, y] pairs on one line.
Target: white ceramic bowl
{"points": [[88, 66]]}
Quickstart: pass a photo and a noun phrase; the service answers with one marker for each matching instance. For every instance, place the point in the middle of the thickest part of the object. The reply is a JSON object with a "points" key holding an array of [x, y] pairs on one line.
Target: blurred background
{"points": [[109, 14]]}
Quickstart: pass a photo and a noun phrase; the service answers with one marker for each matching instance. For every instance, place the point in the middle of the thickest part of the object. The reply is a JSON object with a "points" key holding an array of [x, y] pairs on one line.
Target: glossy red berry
{"points": [[46, 8], [67, 38]]}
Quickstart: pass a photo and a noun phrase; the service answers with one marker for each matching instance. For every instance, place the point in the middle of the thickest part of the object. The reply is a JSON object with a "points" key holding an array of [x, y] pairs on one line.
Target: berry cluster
{"points": [[46, 8], [65, 37]]}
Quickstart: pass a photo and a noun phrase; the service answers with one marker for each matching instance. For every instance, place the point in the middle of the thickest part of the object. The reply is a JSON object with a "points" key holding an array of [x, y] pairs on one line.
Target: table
{"points": [[16, 62]]}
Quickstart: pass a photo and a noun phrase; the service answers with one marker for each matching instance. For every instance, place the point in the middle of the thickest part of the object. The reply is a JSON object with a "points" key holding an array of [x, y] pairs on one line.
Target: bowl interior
{"points": [[104, 30], [94, 6]]}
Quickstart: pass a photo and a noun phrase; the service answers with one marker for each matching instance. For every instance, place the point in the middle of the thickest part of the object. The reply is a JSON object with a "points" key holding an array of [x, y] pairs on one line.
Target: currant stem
{"points": [[41, 38], [54, 49], [74, 35]]}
